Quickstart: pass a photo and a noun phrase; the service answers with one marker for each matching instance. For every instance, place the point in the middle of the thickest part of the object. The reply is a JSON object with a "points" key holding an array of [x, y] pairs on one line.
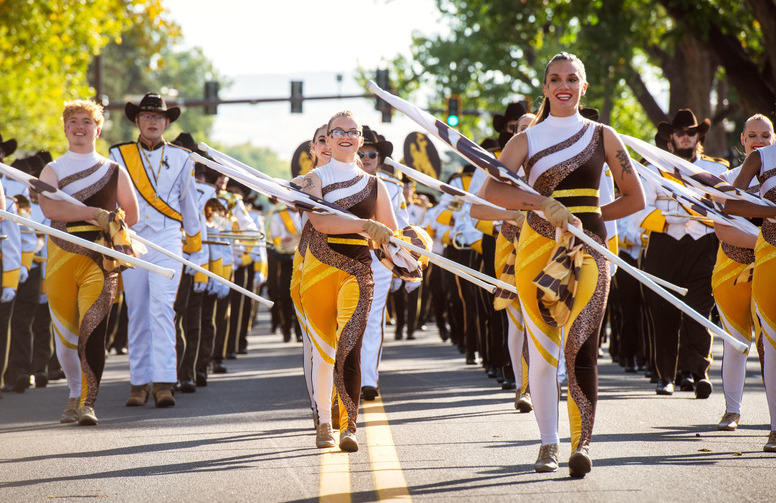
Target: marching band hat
{"points": [[36, 164], [684, 118], [489, 144], [383, 146], [186, 141], [514, 111], [8, 147], [151, 102], [589, 113]]}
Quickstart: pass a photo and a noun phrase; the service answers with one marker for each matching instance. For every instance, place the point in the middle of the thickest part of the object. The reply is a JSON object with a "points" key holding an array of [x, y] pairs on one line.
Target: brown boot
{"points": [[163, 394], [138, 395]]}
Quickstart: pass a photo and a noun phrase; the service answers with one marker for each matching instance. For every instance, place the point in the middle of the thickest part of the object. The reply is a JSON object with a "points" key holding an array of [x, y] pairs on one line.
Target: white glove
{"points": [[259, 279], [395, 284], [223, 291], [43, 298], [24, 273], [213, 287], [411, 286], [199, 286], [188, 270], [8, 294]]}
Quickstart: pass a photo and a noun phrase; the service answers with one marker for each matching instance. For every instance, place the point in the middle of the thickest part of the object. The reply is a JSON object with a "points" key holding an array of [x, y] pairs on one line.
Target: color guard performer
{"points": [[81, 285]]}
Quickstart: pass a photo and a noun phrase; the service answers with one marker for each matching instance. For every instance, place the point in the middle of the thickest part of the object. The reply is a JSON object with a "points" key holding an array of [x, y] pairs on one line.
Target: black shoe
{"points": [[703, 388], [119, 350], [665, 387], [444, 335], [177, 386], [470, 360], [286, 337], [22, 383], [461, 349], [201, 379], [188, 386], [410, 337], [398, 335], [508, 384], [231, 356], [369, 393], [41, 379], [687, 384], [491, 373], [55, 375], [242, 351], [219, 368], [298, 338]]}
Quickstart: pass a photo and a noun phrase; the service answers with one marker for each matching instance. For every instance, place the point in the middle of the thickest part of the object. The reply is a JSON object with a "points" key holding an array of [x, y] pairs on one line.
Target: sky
{"points": [[261, 46]]}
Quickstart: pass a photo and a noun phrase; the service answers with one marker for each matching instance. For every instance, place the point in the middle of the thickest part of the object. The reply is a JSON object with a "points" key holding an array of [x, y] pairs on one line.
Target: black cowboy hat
{"points": [[8, 147], [45, 156], [36, 164], [186, 141], [589, 113], [151, 102], [684, 119], [22, 165], [514, 111], [383, 146]]}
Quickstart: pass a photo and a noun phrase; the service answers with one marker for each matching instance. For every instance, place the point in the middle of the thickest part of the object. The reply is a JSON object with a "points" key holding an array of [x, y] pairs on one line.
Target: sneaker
{"points": [[548, 458], [348, 442], [86, 416], [770, 446], [579, 462], [729, 421], [70, 414], [324, 436]]}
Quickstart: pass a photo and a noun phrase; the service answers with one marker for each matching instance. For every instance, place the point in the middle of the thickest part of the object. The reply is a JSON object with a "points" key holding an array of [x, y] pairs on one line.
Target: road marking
{"points": [[386, 469], [335, 476]]}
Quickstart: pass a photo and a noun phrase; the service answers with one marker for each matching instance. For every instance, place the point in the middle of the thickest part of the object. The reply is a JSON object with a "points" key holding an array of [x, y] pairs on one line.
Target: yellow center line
{"points": [[386, 469], [335, 476]]}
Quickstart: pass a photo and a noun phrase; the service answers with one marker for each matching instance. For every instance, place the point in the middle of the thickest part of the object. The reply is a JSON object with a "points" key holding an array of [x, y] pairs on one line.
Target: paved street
{"points": [[440, 430]]}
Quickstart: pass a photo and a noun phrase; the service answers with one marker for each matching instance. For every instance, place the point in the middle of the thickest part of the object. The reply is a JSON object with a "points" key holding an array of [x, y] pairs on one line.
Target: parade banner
{"points": [[302, 161], [421, 155], [482, 159]]}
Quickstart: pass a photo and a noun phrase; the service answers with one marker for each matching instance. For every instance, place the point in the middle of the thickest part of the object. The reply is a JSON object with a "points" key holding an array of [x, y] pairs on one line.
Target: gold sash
{"points": [[131, 154]]}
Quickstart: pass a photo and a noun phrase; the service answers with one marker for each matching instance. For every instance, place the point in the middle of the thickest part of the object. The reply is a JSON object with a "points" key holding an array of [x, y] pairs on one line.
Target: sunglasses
{"points": [[686, 132], [371, 155], [341, 133]]}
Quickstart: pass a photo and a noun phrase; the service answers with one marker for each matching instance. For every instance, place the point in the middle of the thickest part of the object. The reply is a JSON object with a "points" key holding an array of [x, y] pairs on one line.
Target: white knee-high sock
{"points": [[71, 365]]}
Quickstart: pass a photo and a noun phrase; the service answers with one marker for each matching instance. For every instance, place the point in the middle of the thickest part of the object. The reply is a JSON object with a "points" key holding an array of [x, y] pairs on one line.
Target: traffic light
{"points": [[211, 94], [454, 110], [384, 82], [296, 96]]}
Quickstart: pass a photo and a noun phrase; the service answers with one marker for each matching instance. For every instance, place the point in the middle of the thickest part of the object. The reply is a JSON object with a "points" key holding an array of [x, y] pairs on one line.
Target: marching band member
{"points": [[162, 175]]}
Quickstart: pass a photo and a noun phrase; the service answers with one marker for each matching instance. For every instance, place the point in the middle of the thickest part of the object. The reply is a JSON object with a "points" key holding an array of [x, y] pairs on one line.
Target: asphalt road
{"points": [[440, 430]]}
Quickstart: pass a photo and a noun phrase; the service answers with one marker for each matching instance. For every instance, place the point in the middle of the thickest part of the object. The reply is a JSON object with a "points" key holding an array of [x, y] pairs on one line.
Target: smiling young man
{"points": [[683, 252], [162, 174]]}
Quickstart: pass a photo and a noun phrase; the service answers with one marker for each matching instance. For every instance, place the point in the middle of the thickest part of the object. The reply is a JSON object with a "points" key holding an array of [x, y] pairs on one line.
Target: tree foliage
{"points": [[45, 51], [710, 53]]}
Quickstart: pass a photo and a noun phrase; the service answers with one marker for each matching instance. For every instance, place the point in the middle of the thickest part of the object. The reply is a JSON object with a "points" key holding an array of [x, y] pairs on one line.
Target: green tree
{"points": [[45, 50], [709, 52]]}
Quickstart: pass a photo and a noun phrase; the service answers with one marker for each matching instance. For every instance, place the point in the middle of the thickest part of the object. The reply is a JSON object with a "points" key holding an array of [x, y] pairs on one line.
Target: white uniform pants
{"points": [[150, 298], [372, 345]]}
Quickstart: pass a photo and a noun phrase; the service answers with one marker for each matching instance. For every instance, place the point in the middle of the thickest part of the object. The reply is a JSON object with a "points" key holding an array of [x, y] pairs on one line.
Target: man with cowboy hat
{"points": [[683, 251], [373, 153], [162, 174]]}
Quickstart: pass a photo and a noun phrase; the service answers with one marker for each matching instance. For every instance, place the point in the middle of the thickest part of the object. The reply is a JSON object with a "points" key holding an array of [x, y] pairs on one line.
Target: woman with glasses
{"points": [[563, 155], [336, 280]]}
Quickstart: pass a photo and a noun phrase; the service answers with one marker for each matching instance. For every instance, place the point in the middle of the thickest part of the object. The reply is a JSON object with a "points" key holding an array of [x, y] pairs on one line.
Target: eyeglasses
{"points": [[341, 133], [152, 117], [686, 132], [371, 155]]}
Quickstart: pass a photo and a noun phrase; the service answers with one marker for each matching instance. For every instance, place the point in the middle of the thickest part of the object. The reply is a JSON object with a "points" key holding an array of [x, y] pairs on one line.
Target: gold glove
{"points": [[380, 233], [103, 219], [555, 213], [518, 217]]}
